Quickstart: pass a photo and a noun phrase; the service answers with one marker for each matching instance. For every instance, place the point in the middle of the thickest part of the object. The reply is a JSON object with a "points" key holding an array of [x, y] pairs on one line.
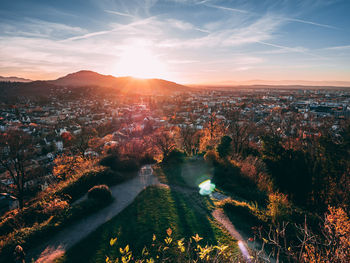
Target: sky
{"points": [[187, 41]]}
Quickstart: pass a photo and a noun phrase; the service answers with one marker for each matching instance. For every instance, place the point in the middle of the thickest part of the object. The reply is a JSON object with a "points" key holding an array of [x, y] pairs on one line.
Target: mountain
{"points": [[123, 84], [14, 79], [309, 83]]}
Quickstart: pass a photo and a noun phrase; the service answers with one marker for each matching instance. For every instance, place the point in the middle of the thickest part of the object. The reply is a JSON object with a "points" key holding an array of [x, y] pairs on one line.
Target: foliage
{"points": [[155, 209], [170, 249], [114, 162], [299, 243], [224, 148], [100, 192], [66, 166], [279, 208], [174, 156], [58, 215], [255, 169], [15, 148], [289, 169], [164, 141]]}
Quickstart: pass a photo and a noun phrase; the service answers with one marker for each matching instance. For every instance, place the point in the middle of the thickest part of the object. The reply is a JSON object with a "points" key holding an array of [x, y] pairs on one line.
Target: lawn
{"points": [[152, 212], [189, 173]]}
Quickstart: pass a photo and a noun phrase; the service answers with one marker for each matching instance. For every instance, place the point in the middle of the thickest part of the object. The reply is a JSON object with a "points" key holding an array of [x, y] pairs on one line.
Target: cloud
{"points": [[185, 25], [337, 47], [119, 13], [228, 8], [39, 28], [310, 23]]}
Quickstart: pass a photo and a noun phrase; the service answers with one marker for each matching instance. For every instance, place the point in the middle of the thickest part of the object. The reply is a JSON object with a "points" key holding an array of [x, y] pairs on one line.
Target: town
{"points": [[301, 114]]}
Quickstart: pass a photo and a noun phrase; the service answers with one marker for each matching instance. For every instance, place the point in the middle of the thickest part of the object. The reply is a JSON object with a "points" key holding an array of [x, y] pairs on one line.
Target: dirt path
{"points": [[124, 195], [220, 216]]}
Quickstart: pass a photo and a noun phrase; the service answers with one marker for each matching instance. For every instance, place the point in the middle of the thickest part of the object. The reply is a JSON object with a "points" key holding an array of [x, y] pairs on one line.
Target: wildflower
{"points": [[112, 241], [197, 238]]}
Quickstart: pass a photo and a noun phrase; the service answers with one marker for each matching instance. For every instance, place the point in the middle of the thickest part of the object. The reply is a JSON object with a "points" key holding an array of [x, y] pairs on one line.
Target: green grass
{"points": [[152, 212], [189, 173]]}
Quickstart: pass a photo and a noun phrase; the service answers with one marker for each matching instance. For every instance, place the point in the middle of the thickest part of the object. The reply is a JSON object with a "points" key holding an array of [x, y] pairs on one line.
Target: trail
{"points": [[124, 194]]}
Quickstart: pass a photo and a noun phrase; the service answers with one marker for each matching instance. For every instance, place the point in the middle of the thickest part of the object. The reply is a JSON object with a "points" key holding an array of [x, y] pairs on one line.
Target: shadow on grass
{"points": [[152, 212]]}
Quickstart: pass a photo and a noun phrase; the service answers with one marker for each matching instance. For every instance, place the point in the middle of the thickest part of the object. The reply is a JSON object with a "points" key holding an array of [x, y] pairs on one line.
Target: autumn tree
{"points": [[239, 131], [164, 141], [15, 150], [190, 139], [81, 142], [66, 166], [224, 148], [213, 130]]}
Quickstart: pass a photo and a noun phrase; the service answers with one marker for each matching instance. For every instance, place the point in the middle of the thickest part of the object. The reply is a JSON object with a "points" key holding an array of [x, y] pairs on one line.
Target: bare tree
{"points": [[82, 140], [165, 142], [239, 132], [190, 138], [15, 148]]}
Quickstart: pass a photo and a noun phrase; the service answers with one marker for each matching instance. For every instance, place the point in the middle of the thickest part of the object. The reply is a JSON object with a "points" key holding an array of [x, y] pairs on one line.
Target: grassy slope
{"points": [[153, 211]]}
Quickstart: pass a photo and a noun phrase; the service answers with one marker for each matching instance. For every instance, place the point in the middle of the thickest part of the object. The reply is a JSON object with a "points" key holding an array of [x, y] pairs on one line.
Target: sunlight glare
{"points": [[206, 187], [139, 61]]}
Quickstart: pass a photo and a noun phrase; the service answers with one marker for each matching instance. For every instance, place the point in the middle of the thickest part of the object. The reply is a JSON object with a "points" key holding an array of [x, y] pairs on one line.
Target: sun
{"points": [[140, 62]]}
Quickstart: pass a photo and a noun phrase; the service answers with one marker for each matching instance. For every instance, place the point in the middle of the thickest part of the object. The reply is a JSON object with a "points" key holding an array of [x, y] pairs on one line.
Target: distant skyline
{"points": [[186, 41]]}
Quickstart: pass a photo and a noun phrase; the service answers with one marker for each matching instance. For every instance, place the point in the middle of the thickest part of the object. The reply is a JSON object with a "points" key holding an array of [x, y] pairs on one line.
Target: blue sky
{"points": [[188, 41]]}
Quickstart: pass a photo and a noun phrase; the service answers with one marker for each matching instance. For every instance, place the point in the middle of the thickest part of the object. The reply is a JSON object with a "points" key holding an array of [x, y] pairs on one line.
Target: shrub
{"points": [[279, 207], [174, 157], [116, 164], [110, 161], [100, 192], [170, 249], [147, 159]]}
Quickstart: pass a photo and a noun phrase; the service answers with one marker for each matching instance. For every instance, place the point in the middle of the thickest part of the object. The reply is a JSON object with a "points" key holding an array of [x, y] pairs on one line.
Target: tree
{"points": [[239, 132], [190, 138], [82, 140], [165, 142], [15, 149], [224, 148], [213, 130]]}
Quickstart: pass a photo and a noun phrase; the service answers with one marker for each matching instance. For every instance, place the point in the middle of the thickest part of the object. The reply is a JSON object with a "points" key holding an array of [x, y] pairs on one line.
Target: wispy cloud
{"points": [[119, 13], [289, 49], [345, 47], [228, 8], [310, 23], [185, 25]]}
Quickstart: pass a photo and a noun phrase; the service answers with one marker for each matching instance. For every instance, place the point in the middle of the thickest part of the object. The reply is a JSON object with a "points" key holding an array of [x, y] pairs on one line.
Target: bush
{"points": [[100, 192], [116, 164], [174, 157], [147, 159], [279, 207]]}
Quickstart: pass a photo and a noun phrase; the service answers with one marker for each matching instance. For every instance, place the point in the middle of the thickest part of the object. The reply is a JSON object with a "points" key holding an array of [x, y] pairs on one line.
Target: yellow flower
{"points": [[197, 238], [168, 240], [112, 241], [180, 245]]}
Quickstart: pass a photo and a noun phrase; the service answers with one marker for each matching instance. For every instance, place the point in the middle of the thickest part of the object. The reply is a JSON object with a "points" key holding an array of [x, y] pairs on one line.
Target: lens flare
{"points": [[206, 187]]}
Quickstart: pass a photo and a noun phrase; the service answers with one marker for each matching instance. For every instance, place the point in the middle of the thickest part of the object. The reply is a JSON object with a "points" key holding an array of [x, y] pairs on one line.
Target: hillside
{"points": [[123, 84], [98, 82], [14, 79]]}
